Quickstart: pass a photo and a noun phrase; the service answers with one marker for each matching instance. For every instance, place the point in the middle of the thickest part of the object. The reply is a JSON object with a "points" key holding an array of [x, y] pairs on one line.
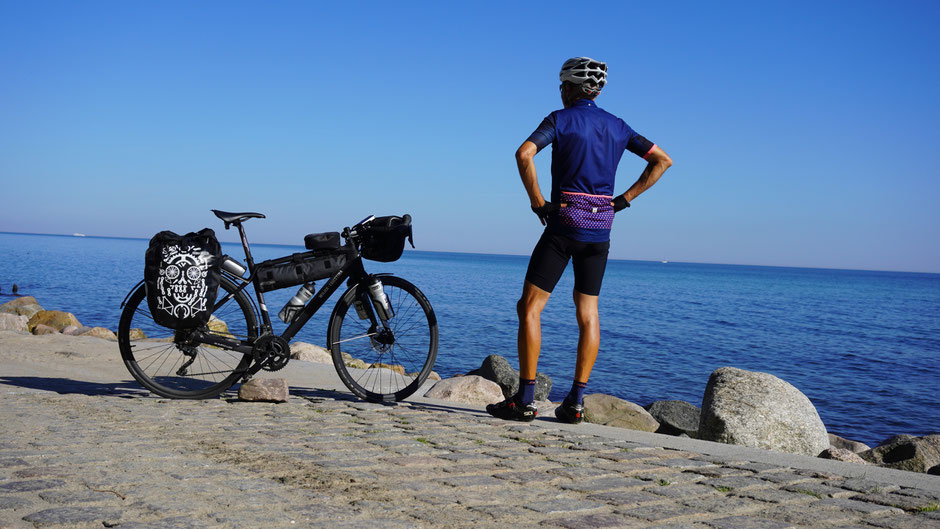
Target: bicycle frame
{"points": [[353, 271]]}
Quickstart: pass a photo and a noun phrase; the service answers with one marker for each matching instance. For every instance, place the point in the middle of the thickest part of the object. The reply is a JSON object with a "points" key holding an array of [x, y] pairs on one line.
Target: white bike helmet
{"points": [[585, 72]]}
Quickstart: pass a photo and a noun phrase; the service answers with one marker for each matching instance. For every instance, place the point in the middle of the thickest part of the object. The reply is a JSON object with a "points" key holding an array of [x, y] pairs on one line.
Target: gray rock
{"points": [[13, 322], [41, 329], [24, 306], [906, 452], [264, 390], [853, 446], [470, 389], [676, 417], [842, 454], [497, 369], [761, 411], [611, 411], [308, 352], [72, 330]]}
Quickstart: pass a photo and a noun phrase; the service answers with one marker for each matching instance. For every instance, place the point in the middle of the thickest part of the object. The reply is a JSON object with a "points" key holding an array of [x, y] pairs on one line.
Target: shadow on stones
{"points": [[315, 393], [66, 386]]}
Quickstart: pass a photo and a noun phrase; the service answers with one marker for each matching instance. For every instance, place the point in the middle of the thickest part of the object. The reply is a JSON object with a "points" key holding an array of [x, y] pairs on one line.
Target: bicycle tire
{"points": [[409, 359], [154, 359]]}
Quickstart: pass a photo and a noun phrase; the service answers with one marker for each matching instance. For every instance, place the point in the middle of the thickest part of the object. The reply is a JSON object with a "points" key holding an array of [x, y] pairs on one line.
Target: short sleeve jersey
{"points": [[587, 144]]}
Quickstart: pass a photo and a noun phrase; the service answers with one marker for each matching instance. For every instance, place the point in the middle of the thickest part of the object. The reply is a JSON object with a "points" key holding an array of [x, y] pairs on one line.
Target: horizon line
{"points": [[82, 235]]}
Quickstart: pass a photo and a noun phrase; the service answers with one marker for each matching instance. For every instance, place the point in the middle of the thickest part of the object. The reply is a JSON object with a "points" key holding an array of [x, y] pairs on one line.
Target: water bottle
{"points": [[297, 302], [232, 266], [380, 300], [360, 308]]}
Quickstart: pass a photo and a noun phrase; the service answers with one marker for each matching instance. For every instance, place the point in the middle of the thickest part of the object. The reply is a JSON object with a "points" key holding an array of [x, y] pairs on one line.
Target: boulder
{"points": [[136, 334], [100, 332], [264, 390], [611, 411], [676, 417], [56, 319], [396, 368], [24, 306], [72, 330], [13, 322], [761, 411], [431, 376], [470, 389], [355, 363], [853, 446], [42, 328], [906, 452], [497, 369], [217, 326], [308, 352], [842, 454]]}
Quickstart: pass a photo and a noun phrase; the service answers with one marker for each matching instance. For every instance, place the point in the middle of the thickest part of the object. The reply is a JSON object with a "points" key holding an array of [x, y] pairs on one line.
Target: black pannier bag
{"points": [[298, 269], [384, 241], [181, 275]]}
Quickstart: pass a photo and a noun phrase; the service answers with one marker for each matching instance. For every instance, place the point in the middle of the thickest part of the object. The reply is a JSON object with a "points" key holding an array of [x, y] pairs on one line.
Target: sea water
{"points": [[863, 346]]}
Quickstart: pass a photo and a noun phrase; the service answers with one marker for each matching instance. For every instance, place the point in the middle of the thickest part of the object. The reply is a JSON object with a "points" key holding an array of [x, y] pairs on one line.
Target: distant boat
{"points": [[78, 235], [664, 262]]}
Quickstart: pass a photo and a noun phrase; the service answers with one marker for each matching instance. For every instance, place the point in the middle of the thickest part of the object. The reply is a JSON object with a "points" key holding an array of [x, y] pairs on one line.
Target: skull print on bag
{"points": [[182, 278]]}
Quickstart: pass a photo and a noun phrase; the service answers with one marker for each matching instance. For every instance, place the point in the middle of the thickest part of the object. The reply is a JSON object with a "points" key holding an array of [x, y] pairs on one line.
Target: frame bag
{"points": [[181, 275], [385, 239], [298, 269]]}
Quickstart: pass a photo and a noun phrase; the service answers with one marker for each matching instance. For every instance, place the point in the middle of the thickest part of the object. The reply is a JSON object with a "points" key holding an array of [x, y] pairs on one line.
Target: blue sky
{"points": [[803, 133]]}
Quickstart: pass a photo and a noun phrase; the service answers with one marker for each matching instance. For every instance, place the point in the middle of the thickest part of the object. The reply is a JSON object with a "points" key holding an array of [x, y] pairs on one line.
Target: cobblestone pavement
{"points": [[130, 460]]}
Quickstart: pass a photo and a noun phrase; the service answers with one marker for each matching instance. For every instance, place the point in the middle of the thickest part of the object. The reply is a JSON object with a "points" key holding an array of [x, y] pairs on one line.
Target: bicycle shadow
{"points": [[130, 388], [348, 397], [67, 386], [324, 394]]}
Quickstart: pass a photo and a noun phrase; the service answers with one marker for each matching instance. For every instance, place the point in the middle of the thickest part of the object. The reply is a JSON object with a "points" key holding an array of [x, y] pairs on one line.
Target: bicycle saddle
{"points": [[231, 218]]}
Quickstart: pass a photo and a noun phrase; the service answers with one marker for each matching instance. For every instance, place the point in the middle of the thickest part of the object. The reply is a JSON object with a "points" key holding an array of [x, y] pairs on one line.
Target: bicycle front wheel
{"points": [[167, 362], [382, 365]]}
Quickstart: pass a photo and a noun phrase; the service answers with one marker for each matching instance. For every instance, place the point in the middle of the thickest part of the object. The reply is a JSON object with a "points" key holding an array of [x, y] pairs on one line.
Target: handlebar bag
{"points": [[181, 275], [384, 241], [298, 269]]}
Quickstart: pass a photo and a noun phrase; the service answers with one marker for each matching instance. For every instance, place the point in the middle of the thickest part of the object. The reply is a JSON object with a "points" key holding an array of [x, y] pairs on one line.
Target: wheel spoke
{"points": [[156, 359], [413, 349]]}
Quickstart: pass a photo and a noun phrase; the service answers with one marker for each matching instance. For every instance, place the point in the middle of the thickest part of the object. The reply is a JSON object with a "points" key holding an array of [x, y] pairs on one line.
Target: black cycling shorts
{"points": [[550, 257]]}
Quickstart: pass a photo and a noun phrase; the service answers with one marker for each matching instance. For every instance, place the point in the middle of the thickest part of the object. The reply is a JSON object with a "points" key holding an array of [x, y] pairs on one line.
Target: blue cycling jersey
{"points": [[587, 144]]}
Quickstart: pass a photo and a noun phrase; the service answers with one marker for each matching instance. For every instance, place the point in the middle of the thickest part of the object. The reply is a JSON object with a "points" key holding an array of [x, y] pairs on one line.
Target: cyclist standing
{"points": [[587, 144]]}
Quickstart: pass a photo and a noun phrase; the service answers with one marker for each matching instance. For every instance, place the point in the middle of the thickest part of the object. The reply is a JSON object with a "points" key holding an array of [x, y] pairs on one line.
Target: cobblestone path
{"points": [[321, 460]]}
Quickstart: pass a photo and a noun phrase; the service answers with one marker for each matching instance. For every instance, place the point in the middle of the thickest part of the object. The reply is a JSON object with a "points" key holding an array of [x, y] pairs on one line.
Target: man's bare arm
{"points": [[659, 161], [530, 180]]}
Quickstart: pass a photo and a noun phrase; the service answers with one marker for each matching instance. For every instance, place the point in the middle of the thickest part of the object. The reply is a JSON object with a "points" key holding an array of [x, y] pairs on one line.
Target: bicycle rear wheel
{"points": [[161, 360], [384, 367]]}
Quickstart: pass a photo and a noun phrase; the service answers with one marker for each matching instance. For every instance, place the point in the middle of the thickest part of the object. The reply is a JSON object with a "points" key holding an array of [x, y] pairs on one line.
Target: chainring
{"points": [[273, 352]]}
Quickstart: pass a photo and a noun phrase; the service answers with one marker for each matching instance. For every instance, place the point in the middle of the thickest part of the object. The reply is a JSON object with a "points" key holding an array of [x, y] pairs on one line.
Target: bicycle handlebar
{"points": [[364, 224]]}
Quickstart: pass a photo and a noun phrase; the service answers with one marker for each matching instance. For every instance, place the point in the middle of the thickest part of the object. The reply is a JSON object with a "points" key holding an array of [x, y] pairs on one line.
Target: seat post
{"points": [[248, 259]]}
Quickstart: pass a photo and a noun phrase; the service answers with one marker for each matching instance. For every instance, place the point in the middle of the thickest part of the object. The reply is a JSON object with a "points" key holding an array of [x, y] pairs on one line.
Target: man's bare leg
{"points": [[530, 308], [589, 337]]}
